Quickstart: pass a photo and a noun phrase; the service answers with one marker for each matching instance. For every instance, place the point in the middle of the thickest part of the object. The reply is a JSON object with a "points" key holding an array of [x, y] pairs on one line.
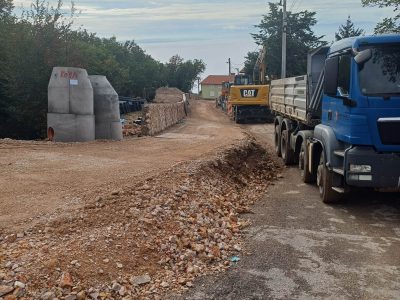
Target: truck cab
{"points": [[350, 127], [361, 108]]}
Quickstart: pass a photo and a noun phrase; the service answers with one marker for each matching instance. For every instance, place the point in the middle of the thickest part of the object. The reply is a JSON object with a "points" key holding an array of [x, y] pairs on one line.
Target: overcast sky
{"points": [[211, 30]]}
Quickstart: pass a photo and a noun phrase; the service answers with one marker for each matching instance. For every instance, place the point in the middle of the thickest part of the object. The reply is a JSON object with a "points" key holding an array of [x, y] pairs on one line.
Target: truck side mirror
{"points": [[363, 56], [331, 76]]}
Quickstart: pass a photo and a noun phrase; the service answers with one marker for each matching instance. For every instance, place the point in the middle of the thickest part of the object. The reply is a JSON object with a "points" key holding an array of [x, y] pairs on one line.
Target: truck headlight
{"points": [[360, 168]]}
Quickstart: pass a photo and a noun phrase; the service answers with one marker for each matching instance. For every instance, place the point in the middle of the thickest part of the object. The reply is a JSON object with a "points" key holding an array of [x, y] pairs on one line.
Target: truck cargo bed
{"points": [[289, 97], [299, 98]]}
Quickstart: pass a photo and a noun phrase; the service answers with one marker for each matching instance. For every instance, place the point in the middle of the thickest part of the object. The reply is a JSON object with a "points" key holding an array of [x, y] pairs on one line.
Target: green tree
{"points": [[31, 45], [300, 39], [250, 62], [389, 24], [348, 30], [183, 74], [6, 7]]}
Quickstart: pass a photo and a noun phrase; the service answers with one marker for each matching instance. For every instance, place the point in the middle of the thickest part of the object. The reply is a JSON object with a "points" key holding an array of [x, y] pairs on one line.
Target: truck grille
{"points": [[389, 132]]}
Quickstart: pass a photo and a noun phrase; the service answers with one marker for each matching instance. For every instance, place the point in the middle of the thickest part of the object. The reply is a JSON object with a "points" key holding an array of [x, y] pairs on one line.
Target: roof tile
{"points": [[217, 79]]}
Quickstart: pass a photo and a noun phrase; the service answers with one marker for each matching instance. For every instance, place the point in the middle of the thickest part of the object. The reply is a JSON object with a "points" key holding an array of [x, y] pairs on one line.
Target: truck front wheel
{"points": [[324, 182]]}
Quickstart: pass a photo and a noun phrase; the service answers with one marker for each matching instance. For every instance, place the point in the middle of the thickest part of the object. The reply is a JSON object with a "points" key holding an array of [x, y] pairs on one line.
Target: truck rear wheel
{"points": [[304, 164], [277, 140], [324, 182], [287, 153]]}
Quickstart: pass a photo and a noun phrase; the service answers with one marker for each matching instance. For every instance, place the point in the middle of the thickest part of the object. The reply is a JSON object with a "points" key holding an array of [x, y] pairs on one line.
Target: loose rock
{"points": [[140, 280], [5, 289], [66, 280]]}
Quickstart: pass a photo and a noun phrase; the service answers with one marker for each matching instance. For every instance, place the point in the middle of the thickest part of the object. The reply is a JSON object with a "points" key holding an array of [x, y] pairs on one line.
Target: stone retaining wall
{"points": [[158, 117]]}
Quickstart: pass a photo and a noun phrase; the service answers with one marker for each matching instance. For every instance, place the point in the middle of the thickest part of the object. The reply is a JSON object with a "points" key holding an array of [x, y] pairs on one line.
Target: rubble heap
{"points": [[144, 240]]}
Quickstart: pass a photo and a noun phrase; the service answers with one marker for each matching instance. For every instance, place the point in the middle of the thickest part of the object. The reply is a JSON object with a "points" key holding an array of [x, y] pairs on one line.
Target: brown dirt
{"points": [[90, 218], [175, 226], [168, 95], [40, 180]]}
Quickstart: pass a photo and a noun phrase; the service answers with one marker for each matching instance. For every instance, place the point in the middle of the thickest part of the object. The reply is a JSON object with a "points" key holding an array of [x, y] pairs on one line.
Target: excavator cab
{"points": [[243, 79]]}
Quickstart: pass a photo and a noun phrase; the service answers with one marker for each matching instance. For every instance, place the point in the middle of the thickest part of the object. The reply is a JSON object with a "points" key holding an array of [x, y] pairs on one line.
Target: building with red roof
{"points": [[211, 86]]}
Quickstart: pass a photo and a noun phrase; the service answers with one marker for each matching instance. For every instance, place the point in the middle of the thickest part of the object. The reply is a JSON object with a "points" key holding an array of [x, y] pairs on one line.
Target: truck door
{"points": [[334, 112]]}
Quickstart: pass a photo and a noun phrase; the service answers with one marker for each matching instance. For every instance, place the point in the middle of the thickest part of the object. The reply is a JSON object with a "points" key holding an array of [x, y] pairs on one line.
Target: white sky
{"points": [[209, 30]]}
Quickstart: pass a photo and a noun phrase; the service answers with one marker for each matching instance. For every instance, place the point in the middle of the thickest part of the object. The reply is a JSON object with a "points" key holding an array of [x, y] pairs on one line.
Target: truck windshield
{"points": [[380, 75]]}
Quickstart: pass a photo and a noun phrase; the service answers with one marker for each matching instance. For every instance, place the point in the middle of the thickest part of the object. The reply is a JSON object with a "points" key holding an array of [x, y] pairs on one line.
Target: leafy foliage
{"points": [[388, 25], [348, 30], [181, 74], [300, 39], [250, 62], [30, 46]]}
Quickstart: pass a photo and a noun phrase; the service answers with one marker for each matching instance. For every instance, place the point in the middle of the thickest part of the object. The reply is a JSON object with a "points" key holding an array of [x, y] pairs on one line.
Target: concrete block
{"points": [[70, 92], [71, 127]]}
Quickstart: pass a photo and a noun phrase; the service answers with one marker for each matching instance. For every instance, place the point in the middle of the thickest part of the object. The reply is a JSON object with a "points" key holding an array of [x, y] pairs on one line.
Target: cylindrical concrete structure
{"points": [[106, 109], [70, 92], [70, 106]]}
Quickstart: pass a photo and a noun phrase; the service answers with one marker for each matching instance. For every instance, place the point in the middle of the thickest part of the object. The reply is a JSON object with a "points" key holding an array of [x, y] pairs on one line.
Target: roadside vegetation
{"points": [[388, 24], [38, 39], [301, 38]]}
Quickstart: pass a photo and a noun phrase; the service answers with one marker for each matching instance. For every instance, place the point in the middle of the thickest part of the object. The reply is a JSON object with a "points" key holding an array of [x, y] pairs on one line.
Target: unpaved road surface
{"points": [[38, 179], [128, 237], [300, 248]]}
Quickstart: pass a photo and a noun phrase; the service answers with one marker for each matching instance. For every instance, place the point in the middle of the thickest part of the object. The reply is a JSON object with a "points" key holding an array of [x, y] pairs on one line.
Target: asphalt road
{"points": [[300, 248]]}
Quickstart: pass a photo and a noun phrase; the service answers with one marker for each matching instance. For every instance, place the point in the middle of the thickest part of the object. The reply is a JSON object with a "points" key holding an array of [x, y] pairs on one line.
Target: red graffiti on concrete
{"points": [[69, 75]]}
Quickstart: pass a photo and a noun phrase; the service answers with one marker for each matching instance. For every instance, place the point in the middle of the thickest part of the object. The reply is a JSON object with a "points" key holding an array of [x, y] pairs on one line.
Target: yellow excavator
{"points": [[248, 98]]}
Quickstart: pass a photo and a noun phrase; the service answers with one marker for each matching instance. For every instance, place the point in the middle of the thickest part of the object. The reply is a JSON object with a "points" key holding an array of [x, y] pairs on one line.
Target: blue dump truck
{"points": [[341, 121]]}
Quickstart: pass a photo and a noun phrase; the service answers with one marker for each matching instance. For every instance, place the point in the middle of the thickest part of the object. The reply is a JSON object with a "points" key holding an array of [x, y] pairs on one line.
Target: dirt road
{"points": [[38, 179], [300, 248], [115, 234]]}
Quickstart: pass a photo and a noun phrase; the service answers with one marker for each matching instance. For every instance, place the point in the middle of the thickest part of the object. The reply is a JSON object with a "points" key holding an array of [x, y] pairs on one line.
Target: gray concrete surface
{"points": [[70, 92], [70, 106], [300, 248], [72, 128], [106, 109]]}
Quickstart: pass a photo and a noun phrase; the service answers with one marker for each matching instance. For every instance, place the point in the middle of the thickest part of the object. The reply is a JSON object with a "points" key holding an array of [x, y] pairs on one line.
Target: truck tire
{"points": [[287, 153], [304, 165], [324, 182], [277, 140]]}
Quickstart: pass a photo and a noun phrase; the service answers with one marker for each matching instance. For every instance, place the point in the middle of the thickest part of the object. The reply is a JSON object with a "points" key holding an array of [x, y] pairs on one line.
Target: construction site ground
{"points": [[202, 211], [38, 179]]}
